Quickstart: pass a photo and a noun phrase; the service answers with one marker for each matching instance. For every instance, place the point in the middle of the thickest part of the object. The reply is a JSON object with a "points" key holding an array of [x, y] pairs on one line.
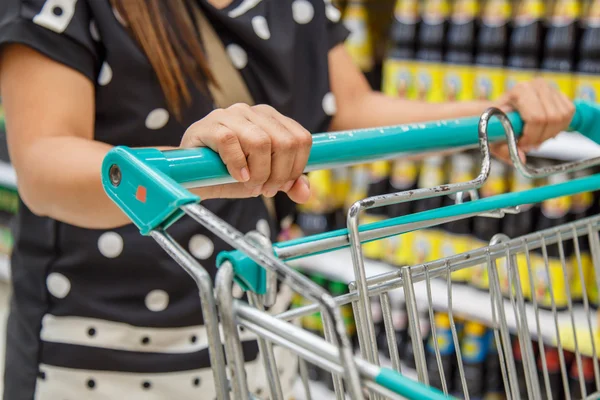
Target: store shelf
{"points": [[467, 301]]}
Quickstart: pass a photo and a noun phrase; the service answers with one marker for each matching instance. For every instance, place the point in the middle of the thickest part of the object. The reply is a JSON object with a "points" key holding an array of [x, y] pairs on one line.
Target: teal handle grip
{"points": [[408, 388], [203, 167]]}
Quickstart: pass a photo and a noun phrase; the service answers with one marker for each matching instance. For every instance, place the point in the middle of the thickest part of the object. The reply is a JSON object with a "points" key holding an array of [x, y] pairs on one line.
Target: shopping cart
{"points": [[149, 186]]}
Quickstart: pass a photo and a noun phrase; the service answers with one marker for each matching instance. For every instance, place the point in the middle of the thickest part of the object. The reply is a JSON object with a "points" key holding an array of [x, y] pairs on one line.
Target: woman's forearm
{"points": [[375, 109]]}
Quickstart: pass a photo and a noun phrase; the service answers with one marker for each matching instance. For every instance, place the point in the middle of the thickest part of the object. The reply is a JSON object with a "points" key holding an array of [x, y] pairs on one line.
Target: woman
{"points": [[99, 311]]}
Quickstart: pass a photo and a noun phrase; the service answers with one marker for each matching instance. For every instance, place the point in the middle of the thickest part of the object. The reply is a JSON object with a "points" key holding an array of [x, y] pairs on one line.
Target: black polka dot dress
{"points": [[107, 314]]}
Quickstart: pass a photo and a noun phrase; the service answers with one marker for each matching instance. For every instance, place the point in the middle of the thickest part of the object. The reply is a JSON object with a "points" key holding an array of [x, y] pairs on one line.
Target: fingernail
{"points": [[305, 180], [245, 174], [270, 193]]}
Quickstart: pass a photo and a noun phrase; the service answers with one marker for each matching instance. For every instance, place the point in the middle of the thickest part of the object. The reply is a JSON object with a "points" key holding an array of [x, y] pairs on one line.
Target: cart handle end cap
{"points": [[248, 274], [406, 387], [144, 192]]}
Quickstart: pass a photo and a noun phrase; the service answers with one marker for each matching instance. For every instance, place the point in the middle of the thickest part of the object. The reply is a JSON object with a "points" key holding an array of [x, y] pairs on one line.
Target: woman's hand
{"points": [[264, 151], [545, 111]]}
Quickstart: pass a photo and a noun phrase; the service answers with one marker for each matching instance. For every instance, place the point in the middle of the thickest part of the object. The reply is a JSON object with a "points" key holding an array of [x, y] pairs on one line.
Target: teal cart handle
{"points": [[147, 183], [397, 383]]}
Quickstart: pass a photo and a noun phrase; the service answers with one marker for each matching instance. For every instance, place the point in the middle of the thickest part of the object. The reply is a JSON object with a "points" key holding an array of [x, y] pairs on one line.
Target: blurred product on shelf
{"points": [[399, 65], [360, 42], [380, 19], [379, 183], [549, 279], [319, 213], [587, 79], [461, 42], [474, 350], [586, 376], [342, 184], [525, 46], [516, 225], [426, 245], [377, 314], [403, 177], [445, 344], [492, 45], [456, 237], [494, 384], [520, 369], [400, 323], [551, 363], [430, 51], [560, 53], [484, 228], [359, 187]]}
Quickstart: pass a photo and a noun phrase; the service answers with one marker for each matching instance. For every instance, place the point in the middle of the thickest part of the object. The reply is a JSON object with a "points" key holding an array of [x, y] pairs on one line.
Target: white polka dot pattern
{"points": [[58, 285], [261, 27], [56, 15], [157, 300], [329, 104], [262, 226], [105, 75], [238, 56], [110, 244], [332, 13], [119, 17], [201, 247], [94, 31], [157, 119], [303, 11]]}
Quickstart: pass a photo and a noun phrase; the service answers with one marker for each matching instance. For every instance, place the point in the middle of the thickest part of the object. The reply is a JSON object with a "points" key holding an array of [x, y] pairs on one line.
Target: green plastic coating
{"points": [[247, 273], [202, 166], [406, 387], [537, 195]]}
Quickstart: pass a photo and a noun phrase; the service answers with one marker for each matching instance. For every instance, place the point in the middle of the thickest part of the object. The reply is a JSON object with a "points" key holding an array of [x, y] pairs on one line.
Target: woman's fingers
{"points": [[261, 148]]}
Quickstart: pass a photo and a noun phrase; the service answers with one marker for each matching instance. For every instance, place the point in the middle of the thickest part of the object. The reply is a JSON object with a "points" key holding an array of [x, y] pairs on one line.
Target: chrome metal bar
{"points": [[304, 377], [207, 303], [292, 278], [436, 345], [388, 322], [338, 387], [461, 369], [595, 252], [414, 326], [233, 345], [266, 352]]}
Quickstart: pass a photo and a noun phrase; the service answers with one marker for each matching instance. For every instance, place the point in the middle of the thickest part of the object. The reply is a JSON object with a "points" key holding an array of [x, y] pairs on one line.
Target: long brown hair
{"points": [[167, 33]]}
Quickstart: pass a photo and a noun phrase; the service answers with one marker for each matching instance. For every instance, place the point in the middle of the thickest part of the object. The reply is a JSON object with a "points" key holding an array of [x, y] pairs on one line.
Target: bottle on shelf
{"points": [[492, 46], [341, 188], [399, 66], [587, 78], [429, 69], [403, 177], [520, 368], [319, 213], [560, 51], [525, 46], [359, 176], [474, 350], [484, 228], [586, 375], [554, 212], [494, 383], [360, 42], [456, 238], [517, 225], [379, 180], [459, 73], [552, 365], [427, 241], [445, 344]]}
